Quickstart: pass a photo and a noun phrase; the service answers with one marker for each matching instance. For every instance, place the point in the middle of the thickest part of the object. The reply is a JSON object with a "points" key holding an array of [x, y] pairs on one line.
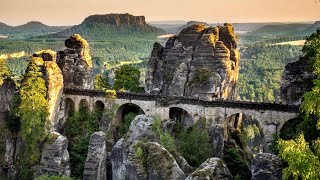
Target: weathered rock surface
{"points": [[139, 156], [55, 156], [75, 63], [95, 166], [117, 19], [199, 62], [266, 167], [183, 164], [7, 155], [297, 80], [7, 91], [155, 162], [216, 134], [213, 168]]}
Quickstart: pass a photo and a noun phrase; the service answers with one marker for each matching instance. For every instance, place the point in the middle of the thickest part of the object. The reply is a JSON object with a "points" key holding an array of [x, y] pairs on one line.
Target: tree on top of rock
{"points": [[127, 77]]}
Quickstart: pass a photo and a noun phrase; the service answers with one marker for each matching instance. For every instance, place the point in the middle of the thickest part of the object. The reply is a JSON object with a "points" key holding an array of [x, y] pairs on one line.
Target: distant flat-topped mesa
{"points": [[199, 62], [117, 19]]}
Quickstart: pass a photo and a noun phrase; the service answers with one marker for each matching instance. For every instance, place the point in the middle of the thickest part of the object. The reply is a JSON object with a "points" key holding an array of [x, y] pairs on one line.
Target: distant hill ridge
{"points": [[300, 29], [32, 25], [30, 29]]}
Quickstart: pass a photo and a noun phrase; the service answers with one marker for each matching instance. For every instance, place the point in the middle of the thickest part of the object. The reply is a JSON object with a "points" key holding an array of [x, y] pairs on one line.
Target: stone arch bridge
{"points": [[271, 116]]}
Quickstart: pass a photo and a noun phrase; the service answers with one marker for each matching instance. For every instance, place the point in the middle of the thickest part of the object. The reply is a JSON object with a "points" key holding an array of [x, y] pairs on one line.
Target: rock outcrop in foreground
{"points": [[75, 63], [95, 166], [139, 156], [213, 168], [55, 160], [199, 62], [266, 167]]}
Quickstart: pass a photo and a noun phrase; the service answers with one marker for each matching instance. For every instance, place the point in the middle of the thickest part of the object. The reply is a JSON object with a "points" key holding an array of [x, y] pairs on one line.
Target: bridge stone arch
{"points": [[180, 115], [252, 127], [99, 105], [99, 108], [69, 107], [84, 103], [125, 109], [270, 121], [194, 111], [120, 122]]}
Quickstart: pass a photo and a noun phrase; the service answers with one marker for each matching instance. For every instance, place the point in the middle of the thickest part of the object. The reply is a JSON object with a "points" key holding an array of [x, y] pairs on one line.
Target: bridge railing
{"points": [[167, 101]]}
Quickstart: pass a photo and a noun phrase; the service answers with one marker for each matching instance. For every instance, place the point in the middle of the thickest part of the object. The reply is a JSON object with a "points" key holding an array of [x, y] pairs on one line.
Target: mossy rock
{"points": [[153, 160]]}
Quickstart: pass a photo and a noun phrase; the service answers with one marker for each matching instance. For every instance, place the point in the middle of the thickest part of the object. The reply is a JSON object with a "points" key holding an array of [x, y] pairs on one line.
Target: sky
{"points": [[71, 12]]}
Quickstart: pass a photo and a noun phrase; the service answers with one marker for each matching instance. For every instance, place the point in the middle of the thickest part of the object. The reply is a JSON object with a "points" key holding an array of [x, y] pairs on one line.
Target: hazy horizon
{"points": [[72, 12]]}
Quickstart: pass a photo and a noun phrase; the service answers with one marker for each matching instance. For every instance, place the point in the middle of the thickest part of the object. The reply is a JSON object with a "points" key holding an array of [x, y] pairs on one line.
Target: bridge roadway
{"points": [[270, 116], [166, 101]]}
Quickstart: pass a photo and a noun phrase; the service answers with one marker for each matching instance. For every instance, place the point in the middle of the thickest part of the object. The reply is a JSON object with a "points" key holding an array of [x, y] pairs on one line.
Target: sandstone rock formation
{"points": [[199, 62], [75, 63], [213, 168], [95, 166], [297, 80], [54, 82], [55, 156], [139, 156], [7, 91], [216, 134], [117, 19], [266, 167], [7, 155]]}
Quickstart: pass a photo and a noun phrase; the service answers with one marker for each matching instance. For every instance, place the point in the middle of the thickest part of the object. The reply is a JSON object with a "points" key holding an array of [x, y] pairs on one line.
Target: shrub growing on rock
{"points": [[194, 146]]}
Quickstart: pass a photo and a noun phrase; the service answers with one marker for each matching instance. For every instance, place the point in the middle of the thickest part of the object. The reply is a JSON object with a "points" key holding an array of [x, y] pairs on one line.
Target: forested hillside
{"points": [[261, 69], [263, 60]]}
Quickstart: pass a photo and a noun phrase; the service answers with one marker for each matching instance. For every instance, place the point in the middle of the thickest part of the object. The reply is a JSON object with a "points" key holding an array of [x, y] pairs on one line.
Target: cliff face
{"points": [[7, 90], [117, 19], [297, 80], [75, 63], [199, 62]]}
